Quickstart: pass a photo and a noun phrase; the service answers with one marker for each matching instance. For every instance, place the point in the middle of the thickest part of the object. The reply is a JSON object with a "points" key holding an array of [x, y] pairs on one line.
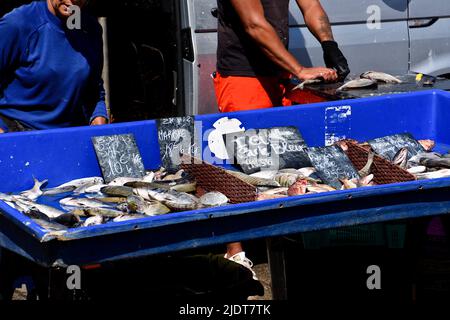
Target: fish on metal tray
{"points": [[357, 84], [36, 191], [214, 199], [380, 76]]}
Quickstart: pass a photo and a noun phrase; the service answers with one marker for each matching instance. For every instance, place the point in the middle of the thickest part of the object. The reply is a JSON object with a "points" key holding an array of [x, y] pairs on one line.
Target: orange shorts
{"points": [[235, 93]]}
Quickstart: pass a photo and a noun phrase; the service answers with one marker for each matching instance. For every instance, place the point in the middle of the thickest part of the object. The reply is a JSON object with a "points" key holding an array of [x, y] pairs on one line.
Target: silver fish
{"points": [[257, 182], [443, 173], [36, 191], [89, 212], [117, 191], [357, 84], [380, 76], [49, 211], [417, 169], [83, 203], [302, 85], [96, 188], [401, 158], [128, 217], [122, 180], [214, 199], [174, 200], [72, 185], [265, 174], [138, 204], [50, 226], [94, 221], [364, 172]]}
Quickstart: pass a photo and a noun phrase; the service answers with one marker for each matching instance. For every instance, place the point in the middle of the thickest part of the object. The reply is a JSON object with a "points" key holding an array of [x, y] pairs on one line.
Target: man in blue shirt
{"points": [[50, 76]]}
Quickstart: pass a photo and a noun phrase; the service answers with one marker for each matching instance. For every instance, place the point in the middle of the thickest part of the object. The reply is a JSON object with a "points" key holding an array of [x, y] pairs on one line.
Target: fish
{"points": [[417, 169], [67, 219], [365, 171], [175, 176], [149, 177], [174, 200], [94, 221], [265, 174], [434, 160], [261, 196], [443, 173], [117, 191], [357, 84], [72, 185], [286, 179], [257, 182], [96, 188], [380, 76], [401, 158], [27, 205], [36, 191], [111, 199], [428, 145], [298, 188], [307, 171], [214, 199], [138, 204], [302, 84], [365, 181], [281, 190], [348, 184], [83, 203], [89, 212], [88, 188], [128, 217], [120, 181], [50, 226], [321, 186]]}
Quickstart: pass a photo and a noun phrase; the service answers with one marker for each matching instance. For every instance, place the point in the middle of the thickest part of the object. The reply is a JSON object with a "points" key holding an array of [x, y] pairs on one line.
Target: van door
{"points": [[429, 32], [372, 34]]}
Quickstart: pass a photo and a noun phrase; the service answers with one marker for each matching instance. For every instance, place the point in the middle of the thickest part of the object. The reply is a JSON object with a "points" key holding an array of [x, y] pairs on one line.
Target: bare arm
{"points": [[316, 19], [251, 13]]}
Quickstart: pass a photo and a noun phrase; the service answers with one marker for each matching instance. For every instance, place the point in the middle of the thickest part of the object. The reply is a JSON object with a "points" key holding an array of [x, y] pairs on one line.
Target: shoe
{"points": [[243, 261]]}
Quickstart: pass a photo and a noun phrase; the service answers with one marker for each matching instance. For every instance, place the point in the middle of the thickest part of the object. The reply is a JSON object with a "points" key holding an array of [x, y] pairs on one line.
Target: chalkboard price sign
{"points": [[176, 137], [118, 156], [332, 164], [388, 146], [272, 148]]}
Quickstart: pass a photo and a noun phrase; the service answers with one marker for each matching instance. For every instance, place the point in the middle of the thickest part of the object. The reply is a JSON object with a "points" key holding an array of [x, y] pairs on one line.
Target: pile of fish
{"points": [[89, 201]]}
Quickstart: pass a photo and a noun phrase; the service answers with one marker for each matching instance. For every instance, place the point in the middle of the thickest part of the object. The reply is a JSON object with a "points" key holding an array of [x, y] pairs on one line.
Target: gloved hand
{"points": [[334, 59]]}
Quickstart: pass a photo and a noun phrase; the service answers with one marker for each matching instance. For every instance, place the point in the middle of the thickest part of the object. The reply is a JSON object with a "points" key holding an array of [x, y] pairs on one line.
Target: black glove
{"points": [[334, 59]]}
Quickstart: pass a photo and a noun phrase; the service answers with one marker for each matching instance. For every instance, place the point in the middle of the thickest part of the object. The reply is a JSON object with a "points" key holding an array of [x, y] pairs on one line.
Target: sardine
{"points": [[36, 191], [365, 171], [72, 185], [380, 76], [214, 199], [357, 84], [257, 182]]}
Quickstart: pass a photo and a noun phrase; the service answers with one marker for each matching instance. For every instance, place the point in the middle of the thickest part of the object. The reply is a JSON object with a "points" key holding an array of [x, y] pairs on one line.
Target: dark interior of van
{"points": [[141, 56]]}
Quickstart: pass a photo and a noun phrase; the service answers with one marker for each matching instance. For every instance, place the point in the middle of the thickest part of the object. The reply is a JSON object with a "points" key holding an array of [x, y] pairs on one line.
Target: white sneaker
{"points": [[243, 261]]}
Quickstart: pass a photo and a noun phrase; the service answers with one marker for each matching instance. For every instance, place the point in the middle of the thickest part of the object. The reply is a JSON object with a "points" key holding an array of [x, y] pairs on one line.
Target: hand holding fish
{"points": [[317, 72]]}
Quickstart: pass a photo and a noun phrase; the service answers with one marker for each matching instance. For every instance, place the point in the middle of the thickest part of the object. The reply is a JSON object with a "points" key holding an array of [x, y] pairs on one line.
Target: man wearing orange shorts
{"points": [[252, 55], [253, 60]]}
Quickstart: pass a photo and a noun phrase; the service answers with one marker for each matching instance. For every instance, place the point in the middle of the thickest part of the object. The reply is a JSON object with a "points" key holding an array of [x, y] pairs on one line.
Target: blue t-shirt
{"points": [[50, 76]]}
